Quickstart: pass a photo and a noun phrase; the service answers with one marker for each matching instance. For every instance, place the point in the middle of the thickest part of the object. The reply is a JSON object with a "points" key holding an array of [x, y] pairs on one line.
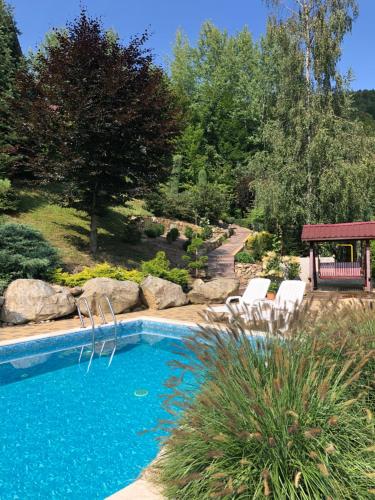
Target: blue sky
{"points": [[164, 17]]}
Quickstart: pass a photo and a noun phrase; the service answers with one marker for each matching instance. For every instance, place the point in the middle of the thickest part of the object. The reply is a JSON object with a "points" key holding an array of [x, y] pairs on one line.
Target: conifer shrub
{"points": [[8, 198], [173, 234], [273, 418], [24, 253], [206, 233], [103, 270], [189, 233], [244, 258], [154, 230], [132, 234]]}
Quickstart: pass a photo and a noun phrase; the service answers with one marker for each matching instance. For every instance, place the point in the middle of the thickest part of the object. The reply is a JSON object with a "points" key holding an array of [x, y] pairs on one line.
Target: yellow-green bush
{"points": [[158, 266], [259, 243], [104, 270]]}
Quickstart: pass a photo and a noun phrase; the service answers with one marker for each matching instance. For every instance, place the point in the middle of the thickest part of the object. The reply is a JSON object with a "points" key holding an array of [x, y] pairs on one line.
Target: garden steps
{"points": [[221, 261]]}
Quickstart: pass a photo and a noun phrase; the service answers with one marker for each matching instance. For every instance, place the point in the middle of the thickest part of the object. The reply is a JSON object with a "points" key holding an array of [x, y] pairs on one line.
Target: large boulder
{"points": [[162, 294], [35, 300], [213, 292], [124, 295]]}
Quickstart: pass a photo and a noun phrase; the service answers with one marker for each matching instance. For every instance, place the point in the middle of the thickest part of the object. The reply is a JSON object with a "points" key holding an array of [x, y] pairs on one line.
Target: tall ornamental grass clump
{"points": [[274, 418]]}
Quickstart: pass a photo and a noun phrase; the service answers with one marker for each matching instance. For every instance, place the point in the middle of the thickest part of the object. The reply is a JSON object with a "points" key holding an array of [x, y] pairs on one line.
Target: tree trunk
{"points": [[93, 233], [308, 75]]}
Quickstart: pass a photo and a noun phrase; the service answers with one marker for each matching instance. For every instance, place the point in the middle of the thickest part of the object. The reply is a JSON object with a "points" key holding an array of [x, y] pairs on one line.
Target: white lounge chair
{"points": [[256, 290], [288, 299]]}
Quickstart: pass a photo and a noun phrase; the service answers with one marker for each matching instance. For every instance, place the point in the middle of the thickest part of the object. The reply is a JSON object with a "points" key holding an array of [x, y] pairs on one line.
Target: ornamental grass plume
{"points": [[275, 417]]}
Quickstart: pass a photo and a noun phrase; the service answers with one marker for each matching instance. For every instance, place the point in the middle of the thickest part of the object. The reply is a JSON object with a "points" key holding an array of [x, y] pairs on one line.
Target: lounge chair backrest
{"points": [[255, 290], [290, 294]]}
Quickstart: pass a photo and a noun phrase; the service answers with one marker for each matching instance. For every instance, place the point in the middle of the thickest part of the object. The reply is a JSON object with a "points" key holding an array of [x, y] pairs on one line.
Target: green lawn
{"points": [[68, 230]]}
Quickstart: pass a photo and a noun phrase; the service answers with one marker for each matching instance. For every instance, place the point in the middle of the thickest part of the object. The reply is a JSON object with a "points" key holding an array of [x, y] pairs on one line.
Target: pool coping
{"points": [[58, 333]]}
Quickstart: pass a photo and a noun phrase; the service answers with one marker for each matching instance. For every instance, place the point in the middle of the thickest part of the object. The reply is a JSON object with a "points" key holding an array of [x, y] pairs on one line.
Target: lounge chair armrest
{"points": [[233, 298]]}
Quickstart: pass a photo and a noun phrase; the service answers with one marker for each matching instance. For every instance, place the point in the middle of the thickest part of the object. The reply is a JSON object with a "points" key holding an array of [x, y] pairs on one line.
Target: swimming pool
{"points": [[66, 433]]}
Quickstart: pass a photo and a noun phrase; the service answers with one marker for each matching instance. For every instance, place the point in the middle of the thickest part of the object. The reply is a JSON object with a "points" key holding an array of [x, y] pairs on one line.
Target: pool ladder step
{"points": [[93, 331]]}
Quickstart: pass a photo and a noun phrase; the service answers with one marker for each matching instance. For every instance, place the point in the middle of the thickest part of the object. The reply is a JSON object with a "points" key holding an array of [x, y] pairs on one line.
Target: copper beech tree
{"points": [[97, 117]]}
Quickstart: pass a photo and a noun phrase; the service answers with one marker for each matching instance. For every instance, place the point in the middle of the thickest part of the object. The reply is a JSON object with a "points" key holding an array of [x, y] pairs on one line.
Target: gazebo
{"points": [[353, 257]]}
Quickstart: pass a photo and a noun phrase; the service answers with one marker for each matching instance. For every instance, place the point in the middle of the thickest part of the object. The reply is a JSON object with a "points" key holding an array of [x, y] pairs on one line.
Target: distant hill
{"points": [[364, 101]]}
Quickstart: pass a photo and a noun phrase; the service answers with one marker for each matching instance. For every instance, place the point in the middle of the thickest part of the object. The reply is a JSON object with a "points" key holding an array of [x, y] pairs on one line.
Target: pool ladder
{"points": [[93, 336]]}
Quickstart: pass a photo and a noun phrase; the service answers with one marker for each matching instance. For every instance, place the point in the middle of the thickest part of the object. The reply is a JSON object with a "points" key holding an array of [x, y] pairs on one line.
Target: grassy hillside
{"points": [[68, 230]]}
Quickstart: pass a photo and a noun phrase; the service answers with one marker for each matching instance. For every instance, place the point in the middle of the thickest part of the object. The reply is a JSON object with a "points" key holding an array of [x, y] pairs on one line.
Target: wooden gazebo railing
{"points": [[340, 270]]}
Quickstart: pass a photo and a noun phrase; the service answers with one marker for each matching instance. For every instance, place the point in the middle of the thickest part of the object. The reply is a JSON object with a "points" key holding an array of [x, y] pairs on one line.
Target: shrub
{"points": [[259, 243], [244, 258], [194, 260], [8, 200], [173, 234], [206, 233], [257, 219], [271, 419], [160, 266], [271, 266], [154, 230], [292, 267], [24, 253], [103, 270], [132, 234], [189, 233]]}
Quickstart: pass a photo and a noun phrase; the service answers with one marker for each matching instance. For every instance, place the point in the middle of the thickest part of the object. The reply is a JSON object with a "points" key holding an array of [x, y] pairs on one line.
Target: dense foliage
{"points": [[24, 254], [273, 126], [274, 419], [10, 58], [100, 115]]}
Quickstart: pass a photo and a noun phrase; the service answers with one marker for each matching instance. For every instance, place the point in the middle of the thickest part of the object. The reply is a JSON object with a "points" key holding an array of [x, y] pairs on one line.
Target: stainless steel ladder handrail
{"points": [[93, 336], [89, 312], [104, 321]]}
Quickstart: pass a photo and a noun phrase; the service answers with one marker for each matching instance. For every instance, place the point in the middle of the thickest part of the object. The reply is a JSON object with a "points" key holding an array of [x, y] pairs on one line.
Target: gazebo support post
{"points": [[368, 284], [312, 263]]}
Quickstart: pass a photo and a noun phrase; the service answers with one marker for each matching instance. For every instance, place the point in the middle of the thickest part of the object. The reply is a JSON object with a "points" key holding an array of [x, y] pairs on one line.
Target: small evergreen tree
{"points": [[195, 261]]}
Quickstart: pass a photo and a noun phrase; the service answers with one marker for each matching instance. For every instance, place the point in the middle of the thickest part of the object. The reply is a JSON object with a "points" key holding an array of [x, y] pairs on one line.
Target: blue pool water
{"points": [[65, 434]]}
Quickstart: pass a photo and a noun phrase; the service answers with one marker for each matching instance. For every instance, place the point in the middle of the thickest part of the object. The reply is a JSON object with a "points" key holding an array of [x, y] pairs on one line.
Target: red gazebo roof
{"points": [[337, 232]]}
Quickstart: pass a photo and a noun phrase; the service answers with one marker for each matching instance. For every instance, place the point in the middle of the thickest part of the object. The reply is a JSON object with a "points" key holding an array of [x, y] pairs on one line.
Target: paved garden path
{"points": [[221, 260]]}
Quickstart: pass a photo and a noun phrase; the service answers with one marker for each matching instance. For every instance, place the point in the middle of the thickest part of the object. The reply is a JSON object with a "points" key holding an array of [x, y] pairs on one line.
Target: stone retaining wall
{"points": [[245, 272]]}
